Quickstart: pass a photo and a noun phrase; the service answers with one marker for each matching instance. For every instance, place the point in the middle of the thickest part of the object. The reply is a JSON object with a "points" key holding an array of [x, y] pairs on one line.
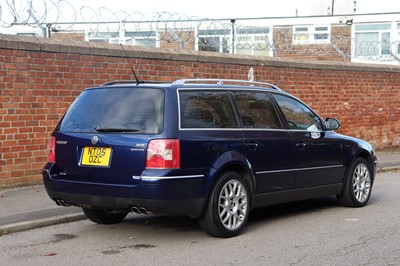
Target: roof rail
{"points": [[117, 82], [221, 82]]}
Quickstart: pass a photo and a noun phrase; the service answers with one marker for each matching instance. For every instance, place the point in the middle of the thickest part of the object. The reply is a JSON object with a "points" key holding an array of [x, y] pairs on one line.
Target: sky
{"points": [[232, 8], [115, 10]]}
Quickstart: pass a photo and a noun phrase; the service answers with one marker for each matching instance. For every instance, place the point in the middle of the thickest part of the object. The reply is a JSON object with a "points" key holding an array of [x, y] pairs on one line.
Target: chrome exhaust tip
{"points": [[143, 210], [61, 202], [135, 210]]}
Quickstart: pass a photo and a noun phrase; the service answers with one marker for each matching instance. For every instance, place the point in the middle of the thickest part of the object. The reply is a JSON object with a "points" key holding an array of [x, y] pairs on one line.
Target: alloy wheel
{"points": [[361, 182], [232, 204]]}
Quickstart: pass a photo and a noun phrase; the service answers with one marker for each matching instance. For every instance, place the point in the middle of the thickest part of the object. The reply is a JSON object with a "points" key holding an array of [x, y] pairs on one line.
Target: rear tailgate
{"points": [[104, 135], [114, 159]]}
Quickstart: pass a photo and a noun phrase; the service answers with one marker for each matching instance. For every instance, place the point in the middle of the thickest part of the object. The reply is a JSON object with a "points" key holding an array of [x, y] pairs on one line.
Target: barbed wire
{"points": [[219, 35]]}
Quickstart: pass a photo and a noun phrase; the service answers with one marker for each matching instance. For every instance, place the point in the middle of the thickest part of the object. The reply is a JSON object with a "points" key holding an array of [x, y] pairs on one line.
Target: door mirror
{"points": [[332, 123]]}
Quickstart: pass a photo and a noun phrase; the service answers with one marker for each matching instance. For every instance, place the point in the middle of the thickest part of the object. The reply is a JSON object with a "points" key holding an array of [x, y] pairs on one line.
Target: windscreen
{"points": [[117, 109]]}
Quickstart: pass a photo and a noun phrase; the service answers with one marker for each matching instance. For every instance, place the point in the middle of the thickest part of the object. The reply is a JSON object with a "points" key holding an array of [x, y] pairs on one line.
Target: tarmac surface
{"points": [[30, 207]]}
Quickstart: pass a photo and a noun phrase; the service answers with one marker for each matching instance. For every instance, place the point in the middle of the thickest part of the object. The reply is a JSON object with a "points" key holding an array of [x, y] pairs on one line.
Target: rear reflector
{"points": [[163, 154], [51, 156]]}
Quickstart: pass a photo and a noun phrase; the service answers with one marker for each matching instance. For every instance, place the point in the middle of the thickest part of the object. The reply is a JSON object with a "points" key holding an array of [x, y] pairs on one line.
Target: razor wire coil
{"points": [[207, 34]]}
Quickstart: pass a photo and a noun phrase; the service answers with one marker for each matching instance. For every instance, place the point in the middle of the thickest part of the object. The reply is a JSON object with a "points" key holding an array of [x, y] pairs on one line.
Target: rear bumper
{"points": [[170, 196], [188, 207]]}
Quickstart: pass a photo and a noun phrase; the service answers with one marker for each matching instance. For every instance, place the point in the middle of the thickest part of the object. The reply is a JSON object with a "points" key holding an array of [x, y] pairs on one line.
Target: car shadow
{"points": [[284, 210], [262, 215], [161, 222]]}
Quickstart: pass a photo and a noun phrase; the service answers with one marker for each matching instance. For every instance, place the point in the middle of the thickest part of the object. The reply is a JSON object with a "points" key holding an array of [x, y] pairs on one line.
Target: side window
{"points": [[297, 114], [256, 110], [206, 109]]}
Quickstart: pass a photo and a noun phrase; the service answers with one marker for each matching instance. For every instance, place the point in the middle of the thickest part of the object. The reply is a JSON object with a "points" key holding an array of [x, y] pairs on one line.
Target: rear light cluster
{"points": [[163, 154], [51, 155]]}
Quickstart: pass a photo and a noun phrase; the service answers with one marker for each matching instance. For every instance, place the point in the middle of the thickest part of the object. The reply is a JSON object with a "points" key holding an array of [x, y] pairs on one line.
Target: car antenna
{"points": [[133, 71]]}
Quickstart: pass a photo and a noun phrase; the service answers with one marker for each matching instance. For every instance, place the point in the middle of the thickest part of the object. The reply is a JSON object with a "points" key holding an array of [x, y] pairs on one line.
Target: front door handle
{"points": [[301, 145]]}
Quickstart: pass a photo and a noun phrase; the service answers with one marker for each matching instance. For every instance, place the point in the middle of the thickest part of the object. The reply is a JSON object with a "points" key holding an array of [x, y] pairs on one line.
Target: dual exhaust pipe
{"points": [[61, 202], [134, 209], [139, 210]]}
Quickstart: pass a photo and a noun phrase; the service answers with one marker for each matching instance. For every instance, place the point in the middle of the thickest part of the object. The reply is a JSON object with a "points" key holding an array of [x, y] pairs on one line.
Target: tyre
{"points": [[104, 216], [228, 206], [358, 186]]}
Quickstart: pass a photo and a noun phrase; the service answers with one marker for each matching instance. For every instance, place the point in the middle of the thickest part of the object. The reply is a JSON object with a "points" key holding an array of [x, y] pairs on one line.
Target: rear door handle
{"points": [[252, 145]]}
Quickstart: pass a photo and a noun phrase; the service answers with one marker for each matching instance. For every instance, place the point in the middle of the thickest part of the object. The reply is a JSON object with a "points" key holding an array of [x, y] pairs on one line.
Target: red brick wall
{"points": [[39, 78]]}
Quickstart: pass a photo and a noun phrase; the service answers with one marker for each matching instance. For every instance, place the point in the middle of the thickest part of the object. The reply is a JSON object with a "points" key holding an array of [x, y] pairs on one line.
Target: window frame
{"points": [[398, 37], [224, 37], [124, 37], [311, 32], [255, 44], [222, 45], [380, 47]]}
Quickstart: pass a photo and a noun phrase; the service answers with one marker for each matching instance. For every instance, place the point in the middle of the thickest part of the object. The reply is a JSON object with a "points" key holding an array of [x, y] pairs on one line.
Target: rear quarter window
{"points": [[206, 109], [138, 110]]}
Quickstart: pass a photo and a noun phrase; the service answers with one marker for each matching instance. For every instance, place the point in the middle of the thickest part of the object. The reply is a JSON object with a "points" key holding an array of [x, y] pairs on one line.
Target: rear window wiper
{"points": [[106, 129]]}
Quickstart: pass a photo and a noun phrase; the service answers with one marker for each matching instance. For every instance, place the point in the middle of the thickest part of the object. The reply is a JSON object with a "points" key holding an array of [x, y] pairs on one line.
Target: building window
{"points": [[106, 37], [213, 44], [141, 38], [372, 40], [311, 34], [138, 38], [214, 40], [245, 40], [253, 41]]}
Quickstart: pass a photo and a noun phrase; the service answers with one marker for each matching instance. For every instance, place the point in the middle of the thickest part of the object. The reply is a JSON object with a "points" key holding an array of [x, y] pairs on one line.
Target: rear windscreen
{"points": [[133, 110]]}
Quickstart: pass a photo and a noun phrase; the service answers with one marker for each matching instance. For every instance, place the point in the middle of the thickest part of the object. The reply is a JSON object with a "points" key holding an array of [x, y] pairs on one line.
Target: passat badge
{"points": [[95, 139]]}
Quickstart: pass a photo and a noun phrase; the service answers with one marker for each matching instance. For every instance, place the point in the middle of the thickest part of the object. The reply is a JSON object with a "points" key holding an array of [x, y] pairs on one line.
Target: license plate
{"points": [[96, 156]]}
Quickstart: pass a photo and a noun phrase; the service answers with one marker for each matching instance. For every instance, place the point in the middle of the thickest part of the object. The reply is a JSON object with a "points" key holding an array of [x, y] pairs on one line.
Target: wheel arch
{"points": [[237, 163], [364, 154], [370, 160]]}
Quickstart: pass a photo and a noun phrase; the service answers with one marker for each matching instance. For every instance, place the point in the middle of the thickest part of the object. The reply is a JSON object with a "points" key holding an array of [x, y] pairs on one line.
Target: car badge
{"points": [[95, 139]]}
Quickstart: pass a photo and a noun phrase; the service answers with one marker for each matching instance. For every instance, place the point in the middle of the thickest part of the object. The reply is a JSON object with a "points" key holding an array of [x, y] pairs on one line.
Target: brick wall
{"points": [[39, 78]]}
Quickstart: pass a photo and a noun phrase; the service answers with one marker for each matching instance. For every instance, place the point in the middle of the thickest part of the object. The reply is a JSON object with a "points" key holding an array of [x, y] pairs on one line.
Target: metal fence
{"points": [[219, 35]]}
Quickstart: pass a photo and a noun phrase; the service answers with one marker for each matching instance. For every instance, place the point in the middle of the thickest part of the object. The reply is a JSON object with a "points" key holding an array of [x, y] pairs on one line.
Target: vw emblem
{"points": [[95, 139]]}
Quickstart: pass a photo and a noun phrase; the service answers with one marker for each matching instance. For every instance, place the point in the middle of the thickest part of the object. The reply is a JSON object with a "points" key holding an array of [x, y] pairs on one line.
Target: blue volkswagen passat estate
{"points": [[209, 149]]}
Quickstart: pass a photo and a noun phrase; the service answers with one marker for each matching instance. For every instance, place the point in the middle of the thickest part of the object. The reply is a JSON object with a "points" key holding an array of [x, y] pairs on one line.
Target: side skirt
{"points": [[266, 199]]}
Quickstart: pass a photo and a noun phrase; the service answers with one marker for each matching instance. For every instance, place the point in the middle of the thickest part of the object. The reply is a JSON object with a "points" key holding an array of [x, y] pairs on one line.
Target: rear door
{"points": [[104, 135], [270, 149], [209, 135]]}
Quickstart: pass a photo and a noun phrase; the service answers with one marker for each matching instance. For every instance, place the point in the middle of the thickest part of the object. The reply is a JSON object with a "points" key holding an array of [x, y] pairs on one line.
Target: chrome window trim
{"points": [[254, 129]]}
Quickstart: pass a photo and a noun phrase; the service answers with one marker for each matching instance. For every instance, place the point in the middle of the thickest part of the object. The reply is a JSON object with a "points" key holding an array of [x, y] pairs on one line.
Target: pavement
{"points": [[29, 207]]}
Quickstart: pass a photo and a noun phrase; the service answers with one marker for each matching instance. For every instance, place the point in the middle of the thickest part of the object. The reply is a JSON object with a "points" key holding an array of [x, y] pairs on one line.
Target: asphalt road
{"points": [[314, 232]]}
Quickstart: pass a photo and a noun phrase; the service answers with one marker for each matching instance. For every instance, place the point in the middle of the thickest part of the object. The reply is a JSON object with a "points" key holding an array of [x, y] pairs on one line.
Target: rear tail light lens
{"points": [[163, 154], [51, 156]]}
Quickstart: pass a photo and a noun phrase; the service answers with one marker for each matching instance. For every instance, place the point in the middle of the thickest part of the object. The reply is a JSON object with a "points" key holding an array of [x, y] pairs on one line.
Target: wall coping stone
{"points": [[35, 44]]}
